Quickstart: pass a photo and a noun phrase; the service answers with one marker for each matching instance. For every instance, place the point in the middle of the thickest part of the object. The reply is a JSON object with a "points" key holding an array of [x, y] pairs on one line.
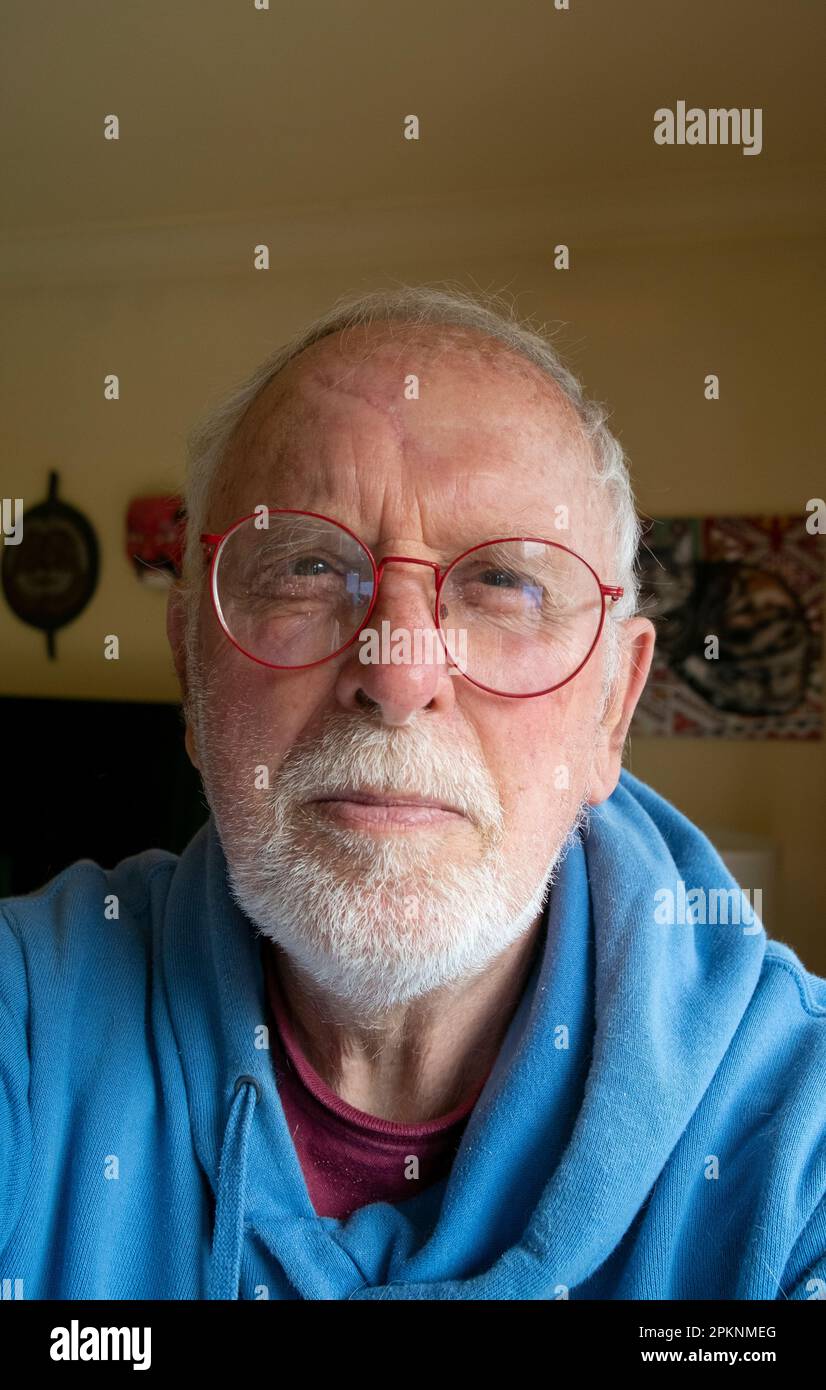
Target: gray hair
{"points": [[420, 305]]}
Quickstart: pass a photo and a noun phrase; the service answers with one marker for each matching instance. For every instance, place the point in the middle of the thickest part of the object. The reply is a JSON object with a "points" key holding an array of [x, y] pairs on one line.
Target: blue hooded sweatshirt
{"points": [[653, 1126]]}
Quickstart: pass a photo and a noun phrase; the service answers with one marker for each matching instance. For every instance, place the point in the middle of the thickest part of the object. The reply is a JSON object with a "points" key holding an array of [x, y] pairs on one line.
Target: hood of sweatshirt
{"points": [[619, 1032]]}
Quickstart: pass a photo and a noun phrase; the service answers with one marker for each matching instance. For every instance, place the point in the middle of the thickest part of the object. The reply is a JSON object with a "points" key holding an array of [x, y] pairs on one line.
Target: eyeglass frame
{"points": [[216, 543]]}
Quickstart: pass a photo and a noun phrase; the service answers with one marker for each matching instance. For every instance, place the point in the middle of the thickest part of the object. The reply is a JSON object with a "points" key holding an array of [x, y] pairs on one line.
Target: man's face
{"points": [[382, 905]]}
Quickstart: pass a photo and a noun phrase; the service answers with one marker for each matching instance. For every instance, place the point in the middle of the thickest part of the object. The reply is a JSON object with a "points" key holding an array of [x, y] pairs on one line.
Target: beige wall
{"points": [[646, 322]]}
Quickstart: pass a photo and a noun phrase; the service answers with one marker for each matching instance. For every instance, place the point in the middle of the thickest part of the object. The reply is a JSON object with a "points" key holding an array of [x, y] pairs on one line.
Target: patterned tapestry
{"points": [[755, 584]]}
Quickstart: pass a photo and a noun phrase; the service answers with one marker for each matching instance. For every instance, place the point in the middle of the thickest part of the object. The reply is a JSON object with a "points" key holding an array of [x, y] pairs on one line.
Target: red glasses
{"points": [[517, 616]]}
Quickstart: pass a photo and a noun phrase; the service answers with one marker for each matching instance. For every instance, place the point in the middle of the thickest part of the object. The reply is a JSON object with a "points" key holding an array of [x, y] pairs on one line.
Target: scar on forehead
{"points": [[335, 359], [333, 363]]}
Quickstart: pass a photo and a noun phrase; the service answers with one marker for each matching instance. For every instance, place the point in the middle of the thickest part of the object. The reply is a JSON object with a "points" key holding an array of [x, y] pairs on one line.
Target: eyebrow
{"points": [[457, 545], [469, 535]]}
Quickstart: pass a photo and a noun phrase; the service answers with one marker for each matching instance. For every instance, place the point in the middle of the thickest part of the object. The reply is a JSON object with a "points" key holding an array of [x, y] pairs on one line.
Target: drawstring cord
{"points": [[228, 1236]]}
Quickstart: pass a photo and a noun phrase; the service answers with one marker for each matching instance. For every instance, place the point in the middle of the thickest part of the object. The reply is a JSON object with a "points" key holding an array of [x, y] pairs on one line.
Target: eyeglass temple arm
{"points": [[612, 591]]}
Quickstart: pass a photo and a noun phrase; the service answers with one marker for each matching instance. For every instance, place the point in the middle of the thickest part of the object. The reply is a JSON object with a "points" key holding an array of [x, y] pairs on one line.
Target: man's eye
{"points": [[285, 568], [495, 580], [310, 565], [501, 579]]}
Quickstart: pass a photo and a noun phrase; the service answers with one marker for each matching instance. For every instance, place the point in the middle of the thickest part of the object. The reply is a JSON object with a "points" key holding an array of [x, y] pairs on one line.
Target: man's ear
{"points": [[637, 638], [176, 620]]}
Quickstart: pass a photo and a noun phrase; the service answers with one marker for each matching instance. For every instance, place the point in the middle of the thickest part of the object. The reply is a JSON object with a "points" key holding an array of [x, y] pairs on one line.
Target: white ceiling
{"points": [[226, 111]]}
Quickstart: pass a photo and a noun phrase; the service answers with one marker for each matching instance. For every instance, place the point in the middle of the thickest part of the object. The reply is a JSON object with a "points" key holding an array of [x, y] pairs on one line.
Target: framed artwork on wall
{"points": [[738, 607]]}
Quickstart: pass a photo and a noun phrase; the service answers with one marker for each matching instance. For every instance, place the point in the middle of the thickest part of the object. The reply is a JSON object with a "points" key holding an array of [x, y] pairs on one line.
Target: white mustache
{"points": [[409, 761]]}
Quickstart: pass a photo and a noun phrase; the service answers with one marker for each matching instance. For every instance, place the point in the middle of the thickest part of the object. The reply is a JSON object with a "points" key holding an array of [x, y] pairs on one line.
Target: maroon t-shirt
{"points": [[350, 1158]]}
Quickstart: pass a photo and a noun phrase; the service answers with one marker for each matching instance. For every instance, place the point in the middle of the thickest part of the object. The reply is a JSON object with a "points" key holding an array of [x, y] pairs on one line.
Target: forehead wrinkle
{"points": [[538, 406], [276, 424], [276, 434], [466, 507], [332, 365]]}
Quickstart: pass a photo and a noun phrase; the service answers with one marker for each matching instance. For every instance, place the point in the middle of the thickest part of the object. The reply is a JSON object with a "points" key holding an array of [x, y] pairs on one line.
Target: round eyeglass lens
{"points": [[520, 617], [291, 590]]}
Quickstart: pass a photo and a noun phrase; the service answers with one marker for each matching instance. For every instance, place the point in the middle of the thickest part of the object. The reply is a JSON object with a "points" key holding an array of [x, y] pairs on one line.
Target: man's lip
{"points": [[387, 799]]}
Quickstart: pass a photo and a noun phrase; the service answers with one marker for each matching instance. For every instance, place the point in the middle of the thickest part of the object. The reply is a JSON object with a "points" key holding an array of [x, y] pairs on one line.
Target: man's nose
{"points": [[398, 665]]}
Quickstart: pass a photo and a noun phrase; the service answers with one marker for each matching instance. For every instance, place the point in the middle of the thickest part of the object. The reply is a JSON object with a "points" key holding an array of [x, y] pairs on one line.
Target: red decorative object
{"points": [[154, 538]]}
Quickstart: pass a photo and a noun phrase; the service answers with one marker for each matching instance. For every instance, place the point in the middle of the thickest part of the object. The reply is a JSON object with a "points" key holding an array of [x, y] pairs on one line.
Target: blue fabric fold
{"points": [[653, 1126]]}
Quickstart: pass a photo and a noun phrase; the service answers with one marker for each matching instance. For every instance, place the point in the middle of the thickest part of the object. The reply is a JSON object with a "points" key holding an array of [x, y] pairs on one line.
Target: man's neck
{"points": [[418, 1061]]}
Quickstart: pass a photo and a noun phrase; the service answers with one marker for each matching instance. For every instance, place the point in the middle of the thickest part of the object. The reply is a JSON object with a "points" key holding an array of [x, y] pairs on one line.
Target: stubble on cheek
{"points": [[235, 753], [546, 801]]}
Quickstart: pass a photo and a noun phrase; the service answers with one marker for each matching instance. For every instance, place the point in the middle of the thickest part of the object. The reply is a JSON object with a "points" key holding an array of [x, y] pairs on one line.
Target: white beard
{"points": [[376, 921]]}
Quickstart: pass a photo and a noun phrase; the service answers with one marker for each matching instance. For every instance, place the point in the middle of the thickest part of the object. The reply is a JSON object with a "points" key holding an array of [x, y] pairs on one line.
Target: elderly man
{"points": [[405, 1020]]}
